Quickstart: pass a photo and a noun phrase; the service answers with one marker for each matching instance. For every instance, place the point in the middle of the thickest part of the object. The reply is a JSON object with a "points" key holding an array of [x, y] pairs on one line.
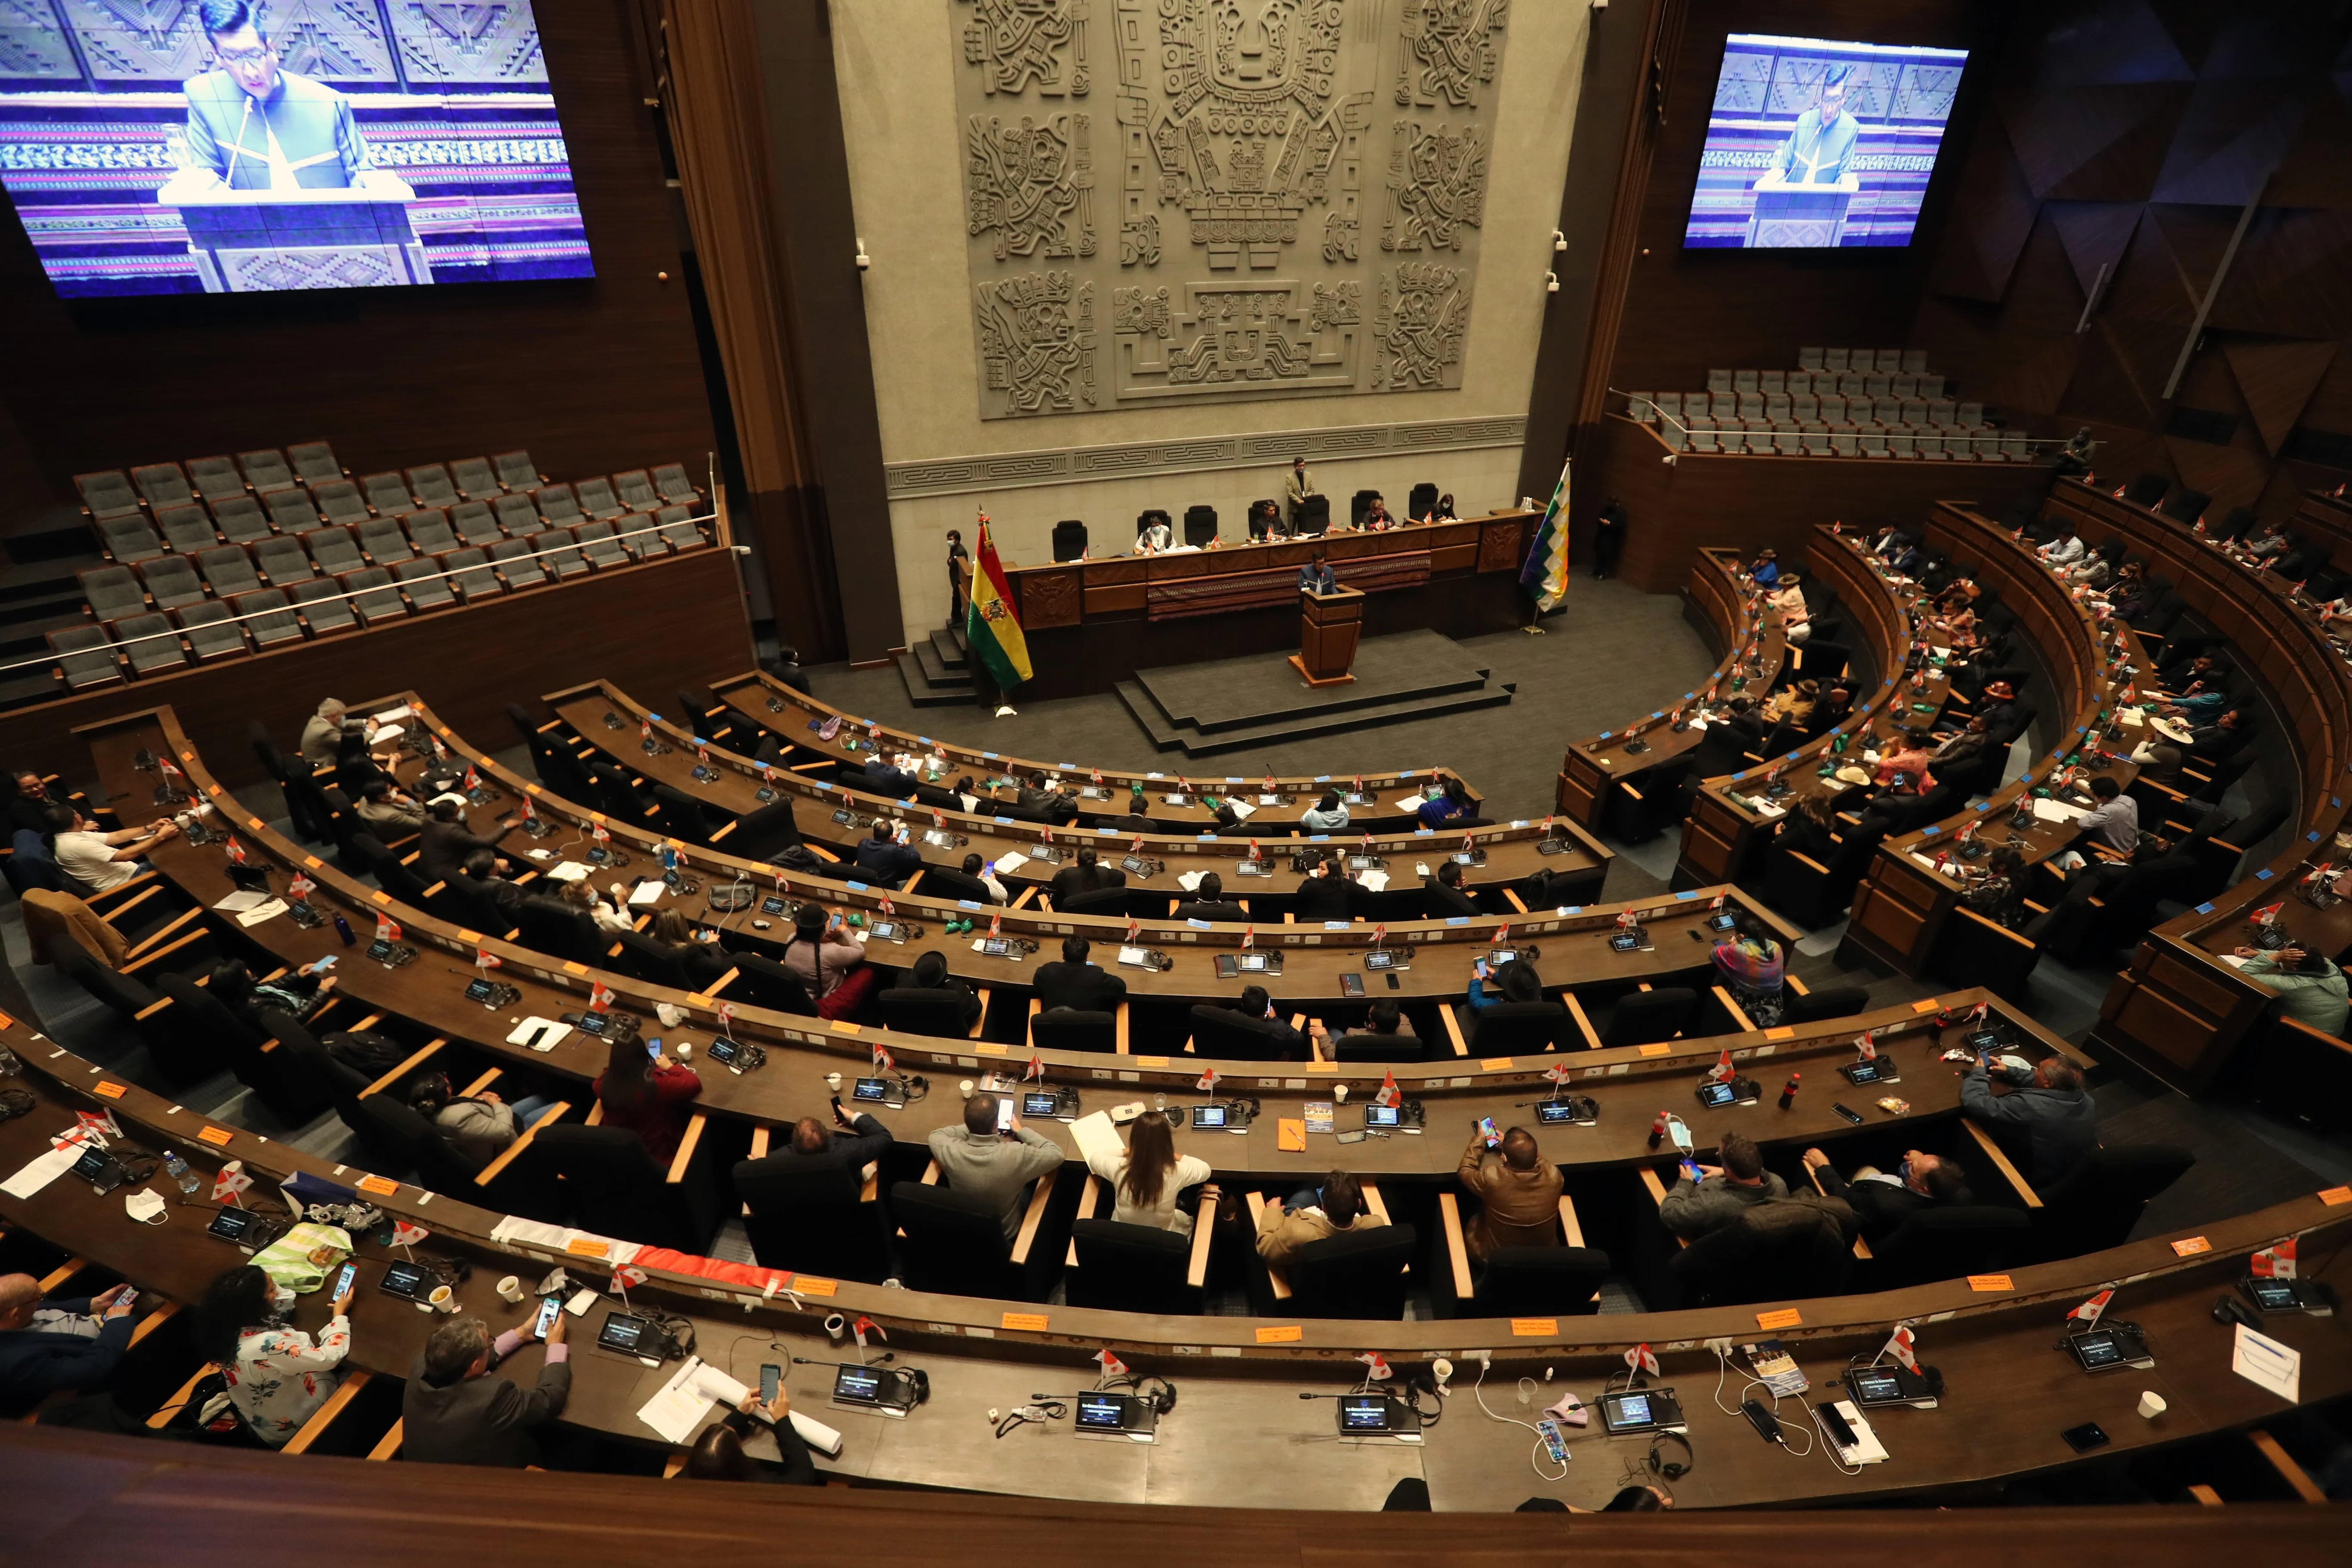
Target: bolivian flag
{"points": [[991, 626]]}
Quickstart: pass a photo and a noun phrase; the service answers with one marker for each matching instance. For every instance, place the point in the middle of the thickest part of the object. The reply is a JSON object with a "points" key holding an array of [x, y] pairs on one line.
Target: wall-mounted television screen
{"points": [[247, 146], [1814, 145]]}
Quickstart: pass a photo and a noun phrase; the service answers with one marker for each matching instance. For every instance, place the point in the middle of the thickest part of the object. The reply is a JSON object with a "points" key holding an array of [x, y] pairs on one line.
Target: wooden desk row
{"points": [[1513, 850], [1240, 1434], [762, 704], [1725, 829], [1751, 637], [2179, 1011]]}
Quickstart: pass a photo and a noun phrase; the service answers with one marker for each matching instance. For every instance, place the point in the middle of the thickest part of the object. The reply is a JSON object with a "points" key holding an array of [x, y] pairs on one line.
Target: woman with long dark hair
{"points": [[719, 1453], [1451, 804], [647, 1094], [1145, 1179], [276, 1377]]}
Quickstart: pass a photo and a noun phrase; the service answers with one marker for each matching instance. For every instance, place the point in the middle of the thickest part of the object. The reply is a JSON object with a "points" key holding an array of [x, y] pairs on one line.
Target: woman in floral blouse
{"points": [[277, 1377]]}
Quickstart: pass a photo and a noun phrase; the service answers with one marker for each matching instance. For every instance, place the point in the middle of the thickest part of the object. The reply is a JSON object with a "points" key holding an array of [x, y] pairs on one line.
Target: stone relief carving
{"points": [[1424, 311], [1437, 184], [1037, 342], [1031, 185], [1239, 122], [1021, 43], [1450, 50]]}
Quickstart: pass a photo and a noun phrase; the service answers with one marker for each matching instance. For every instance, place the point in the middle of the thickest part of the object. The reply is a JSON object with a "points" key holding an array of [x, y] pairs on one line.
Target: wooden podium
{"points": [[1328, 626]]}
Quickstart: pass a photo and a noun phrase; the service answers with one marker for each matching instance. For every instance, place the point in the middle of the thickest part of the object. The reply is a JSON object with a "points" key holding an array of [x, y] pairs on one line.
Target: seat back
{"points": [[1512, 1028], [558, 505], [322, 605], [1829, 1002], [1542, 1281], [283, 561], [1222, 1035], [1356, 1274], [612, 1185], [429, 529], [229, 570], [387, 493], [1646, 1017], [431, 485], [333, 550], [474, 478], [111, 592], [187, 529], [428, 589], [129, 540], [150, 643], [382, 540], [470, 574], [265, 471], [1775, 1252], [339, 501], [473, 522], [211, 633], [314, 462], [954, 1242], [1200, 524], [558, 553], [597, 499], [1070, 1029], [1380, 1047], [913, 1012], [811, 1221], [171, 581], [636, 491], [162, 484], [1130, 1267], [561, 929], [513, 558], [517, 515], [1949, 1244], [1069, 540], [84, 657], [516, 470], [2100, 1202], [762, 982]]}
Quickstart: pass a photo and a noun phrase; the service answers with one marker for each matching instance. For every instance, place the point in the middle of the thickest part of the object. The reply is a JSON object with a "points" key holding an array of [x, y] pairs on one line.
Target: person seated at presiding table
{"points": [[1209, 902], [1376, 517], [1335, 1207], [1444, 895], [386, 808], [848, 1146], [2310, 988], [1517, 1190], [928, 981], [61, 1342], [1317, 576], [1515, 981], [277, 1377], [1152, 533], [1881, 1201], [646, 1097], [445, 841], [717, 1454], [997, 1167], [884, 777], [1451, 804], [1327, 815], [1147, 1177], [1709, 1198], [453, 1413], [1264, 521], [830, 964], [1323, 893], [1085, 875], [98, 861], [883, 857], [2048, 1105], [1751, 963], [1075, 982]]}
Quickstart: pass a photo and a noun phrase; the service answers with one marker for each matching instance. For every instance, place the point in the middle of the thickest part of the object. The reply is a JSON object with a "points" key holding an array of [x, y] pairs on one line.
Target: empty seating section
{"points": [[1838, 403], [283, 534]]}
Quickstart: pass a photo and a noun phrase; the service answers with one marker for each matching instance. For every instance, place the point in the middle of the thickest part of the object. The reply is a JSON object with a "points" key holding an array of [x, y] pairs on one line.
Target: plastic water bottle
{"points": [[177, 1169]]}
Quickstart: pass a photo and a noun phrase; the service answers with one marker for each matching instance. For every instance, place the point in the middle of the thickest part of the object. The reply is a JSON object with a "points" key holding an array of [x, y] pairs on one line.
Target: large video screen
{"points": [[247, 146], [1814, 144]]}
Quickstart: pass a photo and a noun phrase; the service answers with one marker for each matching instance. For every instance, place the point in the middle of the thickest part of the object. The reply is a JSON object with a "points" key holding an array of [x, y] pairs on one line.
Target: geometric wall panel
{"points": [[2277, 380], [2094, 235]]}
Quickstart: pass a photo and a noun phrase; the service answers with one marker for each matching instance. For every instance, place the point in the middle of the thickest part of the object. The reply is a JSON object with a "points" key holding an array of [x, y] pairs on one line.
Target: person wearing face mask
{"points": [[1883, 1200], [277, 1376]]}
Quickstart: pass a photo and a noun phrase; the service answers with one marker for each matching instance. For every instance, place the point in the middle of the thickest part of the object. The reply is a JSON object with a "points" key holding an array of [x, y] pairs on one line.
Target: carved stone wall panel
{"points": [[1244, 265]]}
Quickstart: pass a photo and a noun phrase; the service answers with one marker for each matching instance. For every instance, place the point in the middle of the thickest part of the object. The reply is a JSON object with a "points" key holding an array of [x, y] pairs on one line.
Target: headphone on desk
{"points": [[1667, 1469]]}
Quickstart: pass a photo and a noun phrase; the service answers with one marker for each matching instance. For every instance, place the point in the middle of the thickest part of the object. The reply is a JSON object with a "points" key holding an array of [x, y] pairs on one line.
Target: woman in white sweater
{"points": [[1146, 1178]]}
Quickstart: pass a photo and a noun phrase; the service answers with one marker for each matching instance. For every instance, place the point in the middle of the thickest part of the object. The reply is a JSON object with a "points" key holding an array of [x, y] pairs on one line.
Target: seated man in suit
{"points": [[2049, 1105], [882, 777], [1034, 796], [848, 1146], [46, 1345], [1255, 1004], [1086, 875], [1323, 895], [1072, 981], [1881, 1201], [976, 882], [1209, 902], [1443, 894], [479, 874], [445, 841], [928, 981], [1317, 577], [885, 857], [453, 1413]]}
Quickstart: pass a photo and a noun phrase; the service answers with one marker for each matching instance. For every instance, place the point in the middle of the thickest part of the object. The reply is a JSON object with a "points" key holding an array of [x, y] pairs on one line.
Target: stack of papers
{"points": [[1409, 802], [567, 871], [646, 894], [1011, 860], [237, 903], [1096, 1138], [2266, 1363], [2048, 810], [268, 910], [1240, 810]]}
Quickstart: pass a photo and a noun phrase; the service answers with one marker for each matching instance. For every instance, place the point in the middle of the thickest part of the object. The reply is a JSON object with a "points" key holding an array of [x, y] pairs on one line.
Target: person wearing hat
{"points": [[1767, 570], [1793, 704], [1789, 598], [1831, 711], [2160, 761]]}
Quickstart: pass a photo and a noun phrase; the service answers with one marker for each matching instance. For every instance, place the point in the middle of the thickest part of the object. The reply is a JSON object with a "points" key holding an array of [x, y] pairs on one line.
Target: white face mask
{"points": [[144, 1206]]}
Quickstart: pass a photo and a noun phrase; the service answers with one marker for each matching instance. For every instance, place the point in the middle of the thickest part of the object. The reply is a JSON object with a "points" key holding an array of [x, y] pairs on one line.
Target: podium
{"points": [[1800, 215], [263, 241], [1328, 626]]}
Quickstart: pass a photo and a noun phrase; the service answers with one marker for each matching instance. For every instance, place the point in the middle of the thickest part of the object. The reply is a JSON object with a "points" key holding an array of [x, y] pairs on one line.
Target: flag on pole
{"points": [[1559, 1072], [405, 1235], [386, 929], [1639, 1359], [1208, 1084], [1387, 1093], [1380, 1371], [600, 997], [1722, 1071], [1898, 1345], [2088, 1313], [102, 1122], [991, 626], [235, 851], [2274, 1262], [1545, 572], [882, 1060], [231, 1181], [1112, 1366], [486, 961]]}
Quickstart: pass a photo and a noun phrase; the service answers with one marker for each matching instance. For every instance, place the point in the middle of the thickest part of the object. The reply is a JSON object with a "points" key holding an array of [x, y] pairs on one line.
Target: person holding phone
{"points": [[830, 964], [453, 1413], [1708, 1197], [1516, 1189], [976, 1158], [1514, 982], [719, 1453], [1336, 1207], [277, 1376], [648, 1094], [49, 1344]]}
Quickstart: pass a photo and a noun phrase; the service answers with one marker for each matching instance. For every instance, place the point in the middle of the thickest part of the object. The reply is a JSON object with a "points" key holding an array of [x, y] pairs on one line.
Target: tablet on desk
{"points": [[877, 1091], [1109, 1414], [1639, 1410], [1386, 958], [1370, 1416], [1381, 1116], [998, 947], [625, 1334], [409, 1282], [1209, 1117]]}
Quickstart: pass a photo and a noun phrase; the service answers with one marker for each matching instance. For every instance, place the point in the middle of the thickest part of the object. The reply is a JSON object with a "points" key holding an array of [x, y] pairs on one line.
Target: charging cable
{"points": [[1723, 1370], [1542, 1448]]}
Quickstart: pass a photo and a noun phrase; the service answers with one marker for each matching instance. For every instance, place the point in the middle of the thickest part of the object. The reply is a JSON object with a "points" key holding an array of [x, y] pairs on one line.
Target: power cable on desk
{"points": [[1542, 1445], [1723, 1370]]}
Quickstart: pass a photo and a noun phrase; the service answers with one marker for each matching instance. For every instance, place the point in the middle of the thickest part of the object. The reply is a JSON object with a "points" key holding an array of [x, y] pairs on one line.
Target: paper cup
{"points": [[443, 1298], [510, 1289], [1340, 1094], [2151, 1406], [964, 1088], [833, 1082]]}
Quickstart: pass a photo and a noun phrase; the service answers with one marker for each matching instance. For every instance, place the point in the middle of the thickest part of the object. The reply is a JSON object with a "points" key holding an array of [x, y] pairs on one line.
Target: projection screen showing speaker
{"points": [[249, 146], [1814, 145]]}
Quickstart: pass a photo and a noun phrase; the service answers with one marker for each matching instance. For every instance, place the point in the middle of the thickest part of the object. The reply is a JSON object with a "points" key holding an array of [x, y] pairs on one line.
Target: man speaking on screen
{"points": [[255, 126], [1817, 151]]}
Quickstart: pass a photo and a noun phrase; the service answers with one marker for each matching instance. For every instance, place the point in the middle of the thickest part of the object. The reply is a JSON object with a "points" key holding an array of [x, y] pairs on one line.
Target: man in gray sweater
{"points": [[975, 1158], [1721, 1193]]}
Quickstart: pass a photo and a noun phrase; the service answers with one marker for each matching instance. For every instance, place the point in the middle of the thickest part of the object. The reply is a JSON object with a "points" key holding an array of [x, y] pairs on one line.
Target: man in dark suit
{"points": [[445, 841], [453, 1413], [846, 1147], [1881, 1202], [883, 778], [1034, 797], [882, 859], [1256, 1005], [1086, 875], [479, 874], [945, 882], [1444, 895], [1072, 982], [1317, 576], [929, 982], [2056, 1114], [1209, 902], [1324, 895], [59, 1343]]}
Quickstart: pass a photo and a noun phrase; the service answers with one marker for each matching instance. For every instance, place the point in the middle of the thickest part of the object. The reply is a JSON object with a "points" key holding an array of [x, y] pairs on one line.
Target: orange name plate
{"points": [[1322, 1066], [1152, 1061], [1783, 1033], [382, 1186], [586, 1247], [1032, 1322], [809, 1285], [2192, 1248], [1287, 1334], [1659, 1049], [216, 1135], [108, 1090], [1534, 1328], [1495, 1064], [989, 1048], [840, 1028], [1990, 1282], [1929, 1006], [2334, 1197], [1786, 1317]]}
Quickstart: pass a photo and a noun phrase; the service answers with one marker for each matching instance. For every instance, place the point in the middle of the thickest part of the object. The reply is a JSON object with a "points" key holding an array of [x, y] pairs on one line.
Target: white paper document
{"points": [[1011, 860], [646, 894], [41, 1171], [1190, 881], [386, 735], [2048, 810], [1867, 1449], [393, 715], [2266, 1363], [679, 1408], [1376, 881], [271, 909], [1409, 802], [1240, 810], [1096, 1138], [567, 871], [237, 903]]}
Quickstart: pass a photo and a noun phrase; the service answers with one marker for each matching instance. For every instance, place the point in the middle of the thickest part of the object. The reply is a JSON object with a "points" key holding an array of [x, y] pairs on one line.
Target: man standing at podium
{"points": [[255, 127], [1817, 151], [1317, 576]]}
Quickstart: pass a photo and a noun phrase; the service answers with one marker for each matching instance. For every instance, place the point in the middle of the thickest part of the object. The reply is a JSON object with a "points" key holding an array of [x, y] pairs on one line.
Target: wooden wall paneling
{"points": [[588, 375]]}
